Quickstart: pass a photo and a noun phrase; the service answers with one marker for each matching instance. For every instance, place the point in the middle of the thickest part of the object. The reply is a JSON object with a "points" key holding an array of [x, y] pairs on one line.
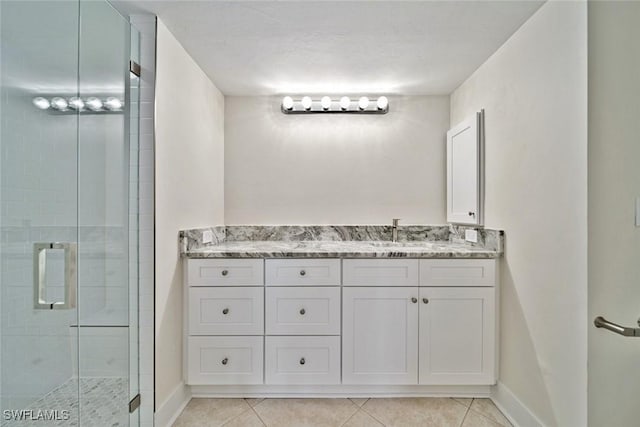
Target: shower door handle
{"points": [[40, 276]]}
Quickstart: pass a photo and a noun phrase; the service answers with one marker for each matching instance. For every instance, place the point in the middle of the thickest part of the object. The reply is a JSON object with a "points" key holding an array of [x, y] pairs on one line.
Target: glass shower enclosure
{"points": [[68, 215]]}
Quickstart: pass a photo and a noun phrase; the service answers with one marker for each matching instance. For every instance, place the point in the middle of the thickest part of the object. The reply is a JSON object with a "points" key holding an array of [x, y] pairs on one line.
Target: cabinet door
{"points": [[463, 172], [457, 336], [380, 335]]}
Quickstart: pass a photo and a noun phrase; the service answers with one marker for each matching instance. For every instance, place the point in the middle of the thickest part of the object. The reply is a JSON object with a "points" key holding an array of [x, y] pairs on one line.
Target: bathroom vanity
{"points": [[340, 317]]}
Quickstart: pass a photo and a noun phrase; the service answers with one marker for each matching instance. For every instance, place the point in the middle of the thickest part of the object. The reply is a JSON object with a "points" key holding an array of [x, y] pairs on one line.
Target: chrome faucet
{"points": [[394, 230]]}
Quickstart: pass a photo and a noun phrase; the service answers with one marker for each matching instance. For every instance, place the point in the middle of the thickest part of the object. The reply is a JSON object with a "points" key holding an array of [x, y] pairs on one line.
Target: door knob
{"points": [[601, 322], [425, 300], [414, 300]]}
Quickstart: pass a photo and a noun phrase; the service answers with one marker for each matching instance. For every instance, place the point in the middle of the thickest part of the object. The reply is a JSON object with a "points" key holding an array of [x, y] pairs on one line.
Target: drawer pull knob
{"points": [[225, 311], [302, 311], [425, 300], [302, 361], [302, 272], [414, 300], [472, 214], [225, 272], [225, 361]]}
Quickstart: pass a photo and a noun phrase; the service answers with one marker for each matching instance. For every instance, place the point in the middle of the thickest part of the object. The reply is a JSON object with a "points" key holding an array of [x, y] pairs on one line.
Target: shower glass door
{"points": [[68, 312]]}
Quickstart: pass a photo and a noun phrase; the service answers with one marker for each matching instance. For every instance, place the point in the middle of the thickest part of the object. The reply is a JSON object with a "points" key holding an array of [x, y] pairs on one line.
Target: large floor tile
{"points": [[362, 419], [474, 419], [489, 410], [253, 401], [465, 401], [423, 412], [358, 400], [305, 412], [247, 419], [210, 412]]}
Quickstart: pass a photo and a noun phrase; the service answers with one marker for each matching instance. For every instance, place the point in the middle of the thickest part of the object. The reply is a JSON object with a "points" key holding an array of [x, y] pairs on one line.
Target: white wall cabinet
{"points": [[465, 171], [380, 335], [358, 322]]}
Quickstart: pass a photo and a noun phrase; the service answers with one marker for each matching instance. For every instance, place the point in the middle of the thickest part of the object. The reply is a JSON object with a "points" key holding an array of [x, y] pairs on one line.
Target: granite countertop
{"points": [[340, 249]]}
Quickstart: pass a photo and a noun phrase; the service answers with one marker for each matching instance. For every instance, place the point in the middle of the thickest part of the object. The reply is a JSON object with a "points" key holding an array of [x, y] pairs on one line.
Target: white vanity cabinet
{"points": [[276, 325], [440, 331], [380, 335], [224, 318]]}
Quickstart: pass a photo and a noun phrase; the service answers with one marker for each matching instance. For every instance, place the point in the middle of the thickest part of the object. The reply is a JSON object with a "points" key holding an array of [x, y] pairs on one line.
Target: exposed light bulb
{"points": [[287, 103], [325, 102], [382, 103], [41, 103], [59, 103], [306, 103], [345, 102], [363, 103], [76, 103], [113, 103], [93, 103]]}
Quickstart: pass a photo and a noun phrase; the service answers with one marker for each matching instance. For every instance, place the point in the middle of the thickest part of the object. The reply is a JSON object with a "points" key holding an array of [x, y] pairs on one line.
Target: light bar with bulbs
{"points": [[90, 104], [326, 104]]}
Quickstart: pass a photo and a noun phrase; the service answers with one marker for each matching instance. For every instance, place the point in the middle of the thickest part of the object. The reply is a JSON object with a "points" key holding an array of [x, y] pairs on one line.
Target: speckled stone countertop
{"points": [[339, 242]]}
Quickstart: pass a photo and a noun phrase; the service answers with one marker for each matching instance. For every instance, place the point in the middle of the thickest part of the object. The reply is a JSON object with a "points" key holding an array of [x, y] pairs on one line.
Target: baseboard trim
{"points": [[173, 406], [340, 390], [516, 411]]}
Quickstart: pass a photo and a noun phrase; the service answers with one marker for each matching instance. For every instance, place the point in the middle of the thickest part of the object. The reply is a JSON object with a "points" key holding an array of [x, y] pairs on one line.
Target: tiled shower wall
{"points": [[146, 25]]}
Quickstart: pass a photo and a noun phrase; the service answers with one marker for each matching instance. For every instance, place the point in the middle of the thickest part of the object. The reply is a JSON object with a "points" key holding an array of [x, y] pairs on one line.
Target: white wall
{"points": [[335, 169], [534, 90], [189, 129], [614, 183]]}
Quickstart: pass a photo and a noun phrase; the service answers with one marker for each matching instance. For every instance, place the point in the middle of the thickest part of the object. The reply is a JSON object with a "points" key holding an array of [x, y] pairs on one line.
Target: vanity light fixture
{"points": [[74, 104], [326, 104]]}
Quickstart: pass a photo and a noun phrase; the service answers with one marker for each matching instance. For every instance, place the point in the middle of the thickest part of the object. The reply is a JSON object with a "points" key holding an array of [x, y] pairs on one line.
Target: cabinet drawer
{"points": [[458, 272], [303, 311], [226, 311], [380, 272], [309, 272], [225, 272], [225, 360], [302, 360]]}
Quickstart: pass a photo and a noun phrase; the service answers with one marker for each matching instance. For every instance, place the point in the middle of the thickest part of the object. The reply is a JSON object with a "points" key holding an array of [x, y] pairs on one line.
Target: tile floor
{"points": [[103, 402], [405, 412]]}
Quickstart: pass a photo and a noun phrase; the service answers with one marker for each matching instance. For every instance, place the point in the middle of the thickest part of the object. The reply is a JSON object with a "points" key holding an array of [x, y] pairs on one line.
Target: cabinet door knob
{"points": [[414, 300], [425, 300], [302, 272], [472, 214], [302, 361], [225, 272], [302, 311], [225, 361], [225, 311]]}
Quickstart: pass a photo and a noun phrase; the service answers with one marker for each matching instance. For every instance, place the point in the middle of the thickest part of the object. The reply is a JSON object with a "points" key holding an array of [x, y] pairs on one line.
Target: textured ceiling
{"points": [[393, 47]]}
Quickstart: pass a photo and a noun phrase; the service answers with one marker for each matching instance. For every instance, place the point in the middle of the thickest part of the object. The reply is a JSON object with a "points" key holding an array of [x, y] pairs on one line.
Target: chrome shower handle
{"points": [[40, 276]]}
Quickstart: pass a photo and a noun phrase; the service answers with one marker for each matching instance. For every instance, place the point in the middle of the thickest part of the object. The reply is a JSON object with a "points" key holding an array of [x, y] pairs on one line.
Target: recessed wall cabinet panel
{"points": [[457, 335], [465, 171], [380, 335]]}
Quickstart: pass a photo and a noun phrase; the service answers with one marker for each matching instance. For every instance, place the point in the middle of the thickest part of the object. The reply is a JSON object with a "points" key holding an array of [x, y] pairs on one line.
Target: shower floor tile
{"points": [[104, 402]]}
